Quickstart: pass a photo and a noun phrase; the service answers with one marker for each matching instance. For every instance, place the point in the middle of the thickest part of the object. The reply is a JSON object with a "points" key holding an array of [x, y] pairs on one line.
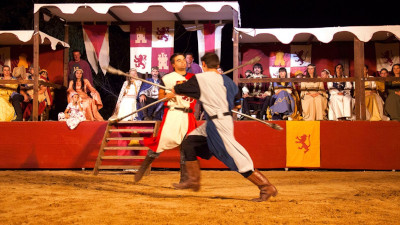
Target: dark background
{"points": [[18, 15]]}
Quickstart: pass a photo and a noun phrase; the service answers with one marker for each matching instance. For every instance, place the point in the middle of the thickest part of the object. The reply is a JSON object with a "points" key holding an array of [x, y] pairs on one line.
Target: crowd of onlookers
{"points": [[264, 100], [16, 99], [84, 101], [320, 100]]}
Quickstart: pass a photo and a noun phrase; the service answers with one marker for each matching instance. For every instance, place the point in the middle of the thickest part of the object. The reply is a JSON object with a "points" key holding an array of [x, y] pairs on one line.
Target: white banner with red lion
{"points": [[386, 55], [295, 62], [152, 44]]}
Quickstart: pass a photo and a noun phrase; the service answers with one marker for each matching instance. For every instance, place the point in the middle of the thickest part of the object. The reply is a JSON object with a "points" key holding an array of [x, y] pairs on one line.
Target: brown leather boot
{"points": [[193, 181], [150, 157], [266, 188], [184, 174]]}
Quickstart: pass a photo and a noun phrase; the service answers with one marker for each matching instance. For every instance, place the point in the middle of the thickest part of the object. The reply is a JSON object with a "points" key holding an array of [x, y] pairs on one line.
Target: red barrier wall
{"points": [[344, 145]]}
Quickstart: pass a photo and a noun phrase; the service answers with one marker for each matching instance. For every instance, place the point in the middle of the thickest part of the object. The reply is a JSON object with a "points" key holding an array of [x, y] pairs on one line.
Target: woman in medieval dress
{"points": [[392, 103], [127, 100], [91, 104], [313, 97]]}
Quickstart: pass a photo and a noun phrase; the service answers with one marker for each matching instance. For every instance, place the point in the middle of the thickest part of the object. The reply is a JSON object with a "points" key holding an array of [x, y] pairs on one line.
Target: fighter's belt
{"points": [[185, 110], [224, 114]]}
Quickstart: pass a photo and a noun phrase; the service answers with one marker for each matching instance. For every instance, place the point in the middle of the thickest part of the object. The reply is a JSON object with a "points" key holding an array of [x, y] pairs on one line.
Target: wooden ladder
{"points": [[123, 131]]}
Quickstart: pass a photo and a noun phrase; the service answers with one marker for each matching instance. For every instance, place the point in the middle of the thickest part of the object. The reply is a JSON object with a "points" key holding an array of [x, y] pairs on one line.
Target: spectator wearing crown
{"points": [[91, 102]]}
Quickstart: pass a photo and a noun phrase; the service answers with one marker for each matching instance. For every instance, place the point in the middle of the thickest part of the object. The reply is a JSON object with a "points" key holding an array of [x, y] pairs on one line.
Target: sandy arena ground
{"points": [[305, 197]]}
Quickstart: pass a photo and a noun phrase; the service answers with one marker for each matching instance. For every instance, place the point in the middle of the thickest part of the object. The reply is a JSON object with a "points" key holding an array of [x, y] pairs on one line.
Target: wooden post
{"points": [[235, 36], [359, 83], [36, 66], [66, 55]]}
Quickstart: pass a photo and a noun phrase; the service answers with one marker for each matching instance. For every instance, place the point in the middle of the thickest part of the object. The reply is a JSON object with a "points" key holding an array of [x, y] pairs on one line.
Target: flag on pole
{"points": [[303, 144], [97, 46], [209, 39], [386, 55], [152, 44]]}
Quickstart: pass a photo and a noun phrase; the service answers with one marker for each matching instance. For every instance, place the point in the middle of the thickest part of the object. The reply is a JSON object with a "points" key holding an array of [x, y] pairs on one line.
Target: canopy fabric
{"points": [[325, 35], [25, 37], [149, 11]]}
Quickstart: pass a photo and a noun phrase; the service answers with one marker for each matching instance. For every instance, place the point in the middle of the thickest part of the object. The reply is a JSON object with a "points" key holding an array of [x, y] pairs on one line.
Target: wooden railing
{"points": [[40, 82], [359, 95]]}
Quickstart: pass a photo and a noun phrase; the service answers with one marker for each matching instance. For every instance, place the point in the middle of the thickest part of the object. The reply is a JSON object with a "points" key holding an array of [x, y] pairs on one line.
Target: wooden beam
{"points": [[128, 22], [235, 36], [36, 39], [115, 16], [66, 55], [294, 80], [178, 18], [309, 40], [359, 82]]}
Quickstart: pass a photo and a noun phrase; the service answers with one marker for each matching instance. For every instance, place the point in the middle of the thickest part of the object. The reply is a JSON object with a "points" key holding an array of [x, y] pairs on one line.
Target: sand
{"points": [[305, 197]]}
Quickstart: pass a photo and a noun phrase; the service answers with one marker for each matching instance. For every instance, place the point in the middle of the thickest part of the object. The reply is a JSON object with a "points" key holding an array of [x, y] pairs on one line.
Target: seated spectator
{"points": [[248, 74], [127, 103], [325, 74], [392, 103], [7, 112], [20, 98], [381, 84], [373, 102], [256, 96], [82, 86], [148, 94], [73, 114], [44, 96], [340, 101], [313, 97], [283, 105], [31, 71]]}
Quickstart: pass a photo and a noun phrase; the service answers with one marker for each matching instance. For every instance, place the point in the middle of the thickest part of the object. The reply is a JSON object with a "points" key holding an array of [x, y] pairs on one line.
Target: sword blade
{"points": [[272, 125], [143, 108], [112, 70]]}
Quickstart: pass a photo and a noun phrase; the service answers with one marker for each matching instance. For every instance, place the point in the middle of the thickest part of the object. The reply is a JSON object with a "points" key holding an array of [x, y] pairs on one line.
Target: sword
{"points": [[112, 70], [251, 61], [272, 125], [116, 120]]}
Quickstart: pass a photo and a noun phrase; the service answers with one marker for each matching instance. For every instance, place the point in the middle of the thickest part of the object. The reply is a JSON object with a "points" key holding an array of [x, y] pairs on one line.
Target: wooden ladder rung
{"points": [[136, 122], [126, 148], [115, 167], [122, 157], [124, 138], [113, 127], [133, 130]]}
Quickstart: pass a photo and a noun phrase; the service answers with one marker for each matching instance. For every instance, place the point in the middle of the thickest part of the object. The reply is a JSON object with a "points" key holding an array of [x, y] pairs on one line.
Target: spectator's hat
{"points": [[43, 71]]}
